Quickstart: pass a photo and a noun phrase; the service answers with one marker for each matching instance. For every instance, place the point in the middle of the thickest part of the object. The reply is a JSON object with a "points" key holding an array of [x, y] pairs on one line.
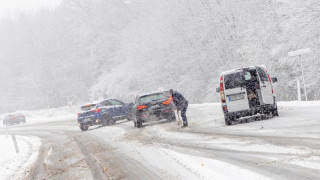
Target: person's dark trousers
{"points": [[183, 115]]}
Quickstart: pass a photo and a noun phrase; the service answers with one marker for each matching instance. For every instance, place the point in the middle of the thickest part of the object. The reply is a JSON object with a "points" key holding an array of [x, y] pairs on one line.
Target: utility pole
{"points": [[304, 82], [299, 90], [299, 53]]}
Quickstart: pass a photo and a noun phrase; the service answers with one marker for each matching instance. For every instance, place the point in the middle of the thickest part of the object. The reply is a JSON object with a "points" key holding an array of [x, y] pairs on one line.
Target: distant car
{"points": [[153, 107], [105, 112], [15, 118], [247, 92]]}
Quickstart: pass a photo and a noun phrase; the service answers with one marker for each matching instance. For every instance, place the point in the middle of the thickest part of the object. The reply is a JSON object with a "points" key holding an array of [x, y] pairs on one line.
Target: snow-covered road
{"points": [[287, 147]]}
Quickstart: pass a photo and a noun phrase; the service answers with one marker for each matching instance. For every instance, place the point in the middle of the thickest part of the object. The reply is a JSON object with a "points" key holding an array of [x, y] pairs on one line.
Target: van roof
{"points": [[239, 69]]}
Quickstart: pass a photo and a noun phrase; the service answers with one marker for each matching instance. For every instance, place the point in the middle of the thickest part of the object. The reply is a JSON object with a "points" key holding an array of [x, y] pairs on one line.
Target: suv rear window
{"points": [[152, 97], [233, 80]]}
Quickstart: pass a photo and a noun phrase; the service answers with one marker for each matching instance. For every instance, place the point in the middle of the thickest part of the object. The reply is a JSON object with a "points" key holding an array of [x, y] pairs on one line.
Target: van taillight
{"points": [[222, 96], [270, 83], [225, 108]]}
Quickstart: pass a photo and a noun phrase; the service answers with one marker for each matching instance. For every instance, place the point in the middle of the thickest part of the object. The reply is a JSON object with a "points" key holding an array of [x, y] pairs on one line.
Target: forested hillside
{"points": [[86, 49]]}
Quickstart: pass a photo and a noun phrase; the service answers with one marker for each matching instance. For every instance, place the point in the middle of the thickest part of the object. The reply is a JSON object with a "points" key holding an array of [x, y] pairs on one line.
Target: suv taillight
{"points": [[97, 110], [140, 107], [167, 102]]}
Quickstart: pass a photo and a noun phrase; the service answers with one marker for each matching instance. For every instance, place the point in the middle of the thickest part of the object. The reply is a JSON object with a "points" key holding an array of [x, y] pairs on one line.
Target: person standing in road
{"points": [[181, 104]]}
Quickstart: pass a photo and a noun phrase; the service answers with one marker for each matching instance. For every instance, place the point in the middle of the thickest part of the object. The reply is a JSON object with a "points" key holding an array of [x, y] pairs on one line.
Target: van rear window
{"points": [[233, 80]]}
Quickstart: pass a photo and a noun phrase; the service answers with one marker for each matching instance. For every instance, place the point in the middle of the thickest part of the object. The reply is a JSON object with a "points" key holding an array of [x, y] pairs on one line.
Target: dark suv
{"points": [[106, 112], [14, 119], [153, 107]]}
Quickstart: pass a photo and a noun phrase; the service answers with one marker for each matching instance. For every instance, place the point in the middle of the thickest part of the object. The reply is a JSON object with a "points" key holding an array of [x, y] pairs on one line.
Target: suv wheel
{"points": [[84, 127], [275, 112], [171, 118], [139, 124]]}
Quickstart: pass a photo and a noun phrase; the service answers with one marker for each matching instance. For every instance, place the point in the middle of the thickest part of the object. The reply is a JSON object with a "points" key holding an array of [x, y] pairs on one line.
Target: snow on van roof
{"points": [[239, 69]]}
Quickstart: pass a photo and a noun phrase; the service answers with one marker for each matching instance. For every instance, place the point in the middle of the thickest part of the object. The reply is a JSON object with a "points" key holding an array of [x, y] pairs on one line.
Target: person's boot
{"points": [[185, 125]]}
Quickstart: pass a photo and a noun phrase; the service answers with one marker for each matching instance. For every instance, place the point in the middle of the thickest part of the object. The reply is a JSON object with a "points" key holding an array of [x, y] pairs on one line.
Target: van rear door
{"points": [[265, 85], [235, 92]]}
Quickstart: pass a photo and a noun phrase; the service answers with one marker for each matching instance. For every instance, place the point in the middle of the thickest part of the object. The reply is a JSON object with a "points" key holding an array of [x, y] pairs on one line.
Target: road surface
{"points": [[287, 147]]}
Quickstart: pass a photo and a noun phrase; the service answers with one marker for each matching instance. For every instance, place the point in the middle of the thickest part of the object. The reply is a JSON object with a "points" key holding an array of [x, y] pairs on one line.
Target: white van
{"points": [[247, 92]]}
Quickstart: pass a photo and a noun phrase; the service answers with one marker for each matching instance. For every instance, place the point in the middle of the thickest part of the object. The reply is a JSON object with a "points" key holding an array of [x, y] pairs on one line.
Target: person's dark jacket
{"points": [[179, 100]]}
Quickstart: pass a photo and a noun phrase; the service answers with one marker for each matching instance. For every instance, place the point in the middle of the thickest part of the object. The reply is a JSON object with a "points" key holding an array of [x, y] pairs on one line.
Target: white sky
{"points": [[9, 8]]}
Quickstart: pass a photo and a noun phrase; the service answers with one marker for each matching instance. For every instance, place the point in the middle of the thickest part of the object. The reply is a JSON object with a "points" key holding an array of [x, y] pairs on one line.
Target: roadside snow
{"points": [[14, 164], [55, 114], [304, 104], [48, 115]]}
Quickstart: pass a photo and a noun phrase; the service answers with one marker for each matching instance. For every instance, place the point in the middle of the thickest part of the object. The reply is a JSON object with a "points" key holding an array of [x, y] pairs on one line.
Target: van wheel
{"points": [[275, 112], [228, 121]]}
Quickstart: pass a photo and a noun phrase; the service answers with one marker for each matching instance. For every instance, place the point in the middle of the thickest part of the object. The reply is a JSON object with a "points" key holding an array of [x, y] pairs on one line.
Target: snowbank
{"points": [[299, 104], [50, 114], [54, 114], [13, 164]]}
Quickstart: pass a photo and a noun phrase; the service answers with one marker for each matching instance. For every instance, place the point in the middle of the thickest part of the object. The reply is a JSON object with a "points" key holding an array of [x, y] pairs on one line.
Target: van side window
{"points": [[262, 74]]}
